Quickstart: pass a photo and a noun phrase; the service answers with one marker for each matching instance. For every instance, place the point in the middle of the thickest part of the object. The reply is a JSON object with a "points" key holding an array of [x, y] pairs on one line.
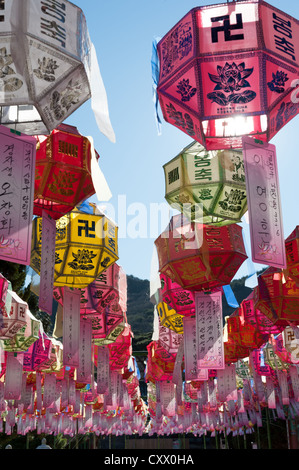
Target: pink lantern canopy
{"points": [[228, 70]]}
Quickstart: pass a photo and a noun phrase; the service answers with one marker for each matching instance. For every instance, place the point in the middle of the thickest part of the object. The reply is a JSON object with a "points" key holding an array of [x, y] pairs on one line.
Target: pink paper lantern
{"points": [[37, 354], [4, 284], [177, 298], [228, 70], [120, 350], [103, 301]]}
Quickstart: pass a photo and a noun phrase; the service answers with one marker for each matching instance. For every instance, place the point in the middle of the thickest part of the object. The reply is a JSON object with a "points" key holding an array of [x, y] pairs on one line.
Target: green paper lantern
{"points": [[207, 186]]}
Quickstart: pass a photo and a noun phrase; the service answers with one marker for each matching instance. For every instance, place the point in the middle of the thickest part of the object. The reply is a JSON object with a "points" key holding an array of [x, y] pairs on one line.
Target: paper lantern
{"points": [[169, 340], [291, 343], [169, 318], [4, 286], [198, 256], [179, 299], [25, 337], [282, 352], [37, 354], [103, 301], [258, 363], [242, 332], [120, 350], [277, 297], [273, 360], [207, 187], [233, 352], [228, 70], [292, 254], [62, 171], [256, 318], [156, 369], [86, 245], [45, 50], [15, 320]]}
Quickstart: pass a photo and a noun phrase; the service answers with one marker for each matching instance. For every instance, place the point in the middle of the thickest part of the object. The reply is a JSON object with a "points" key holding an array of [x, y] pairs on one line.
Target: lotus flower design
{"points": [[230, 79]]}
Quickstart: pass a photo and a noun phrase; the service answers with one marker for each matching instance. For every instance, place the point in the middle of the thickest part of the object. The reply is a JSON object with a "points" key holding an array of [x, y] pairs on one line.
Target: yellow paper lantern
{"points": [[86, 245], [170, 318]]}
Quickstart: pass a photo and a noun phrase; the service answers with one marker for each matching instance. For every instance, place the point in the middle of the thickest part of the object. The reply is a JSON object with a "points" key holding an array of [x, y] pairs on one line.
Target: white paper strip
{"points": [[209, 330], [71, 326], [47, 263], [264, 207]]}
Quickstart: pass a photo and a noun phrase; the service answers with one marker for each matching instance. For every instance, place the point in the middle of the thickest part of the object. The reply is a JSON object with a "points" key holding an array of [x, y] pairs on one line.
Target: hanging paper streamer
{"points": [[100, 184], [167, 396], [17, 172], [47, 263], [155, 80], [85, 365], [264, 208], [103, 370], [49, 391], [270, 392], [71, 326], [192, 371], [177, 370], [227, 384], [13, 376], [230, 296], [209, 330]]}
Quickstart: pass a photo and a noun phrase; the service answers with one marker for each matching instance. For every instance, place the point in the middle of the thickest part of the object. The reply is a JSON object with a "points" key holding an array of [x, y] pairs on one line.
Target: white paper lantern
{"points": [[47, 64]]}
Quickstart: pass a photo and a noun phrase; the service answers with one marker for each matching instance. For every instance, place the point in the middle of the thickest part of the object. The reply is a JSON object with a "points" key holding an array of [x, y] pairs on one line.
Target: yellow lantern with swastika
{"points": [[86, 245]]}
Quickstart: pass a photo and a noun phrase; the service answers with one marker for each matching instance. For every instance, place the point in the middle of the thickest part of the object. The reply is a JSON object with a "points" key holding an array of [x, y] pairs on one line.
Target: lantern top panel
{"points": [[241, 26]]}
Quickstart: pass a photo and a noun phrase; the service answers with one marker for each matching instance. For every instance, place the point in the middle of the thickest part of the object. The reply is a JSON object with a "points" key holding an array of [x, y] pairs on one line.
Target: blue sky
{"points": [[122, 32]]}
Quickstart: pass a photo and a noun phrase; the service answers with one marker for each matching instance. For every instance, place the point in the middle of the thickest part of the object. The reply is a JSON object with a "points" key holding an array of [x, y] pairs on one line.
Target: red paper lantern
{"points": [[243, 333], [233, 352], [256, 318], [198, 256], [157, 369], [292, 254], [63, 171], [228, 70], [277, 297]]}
